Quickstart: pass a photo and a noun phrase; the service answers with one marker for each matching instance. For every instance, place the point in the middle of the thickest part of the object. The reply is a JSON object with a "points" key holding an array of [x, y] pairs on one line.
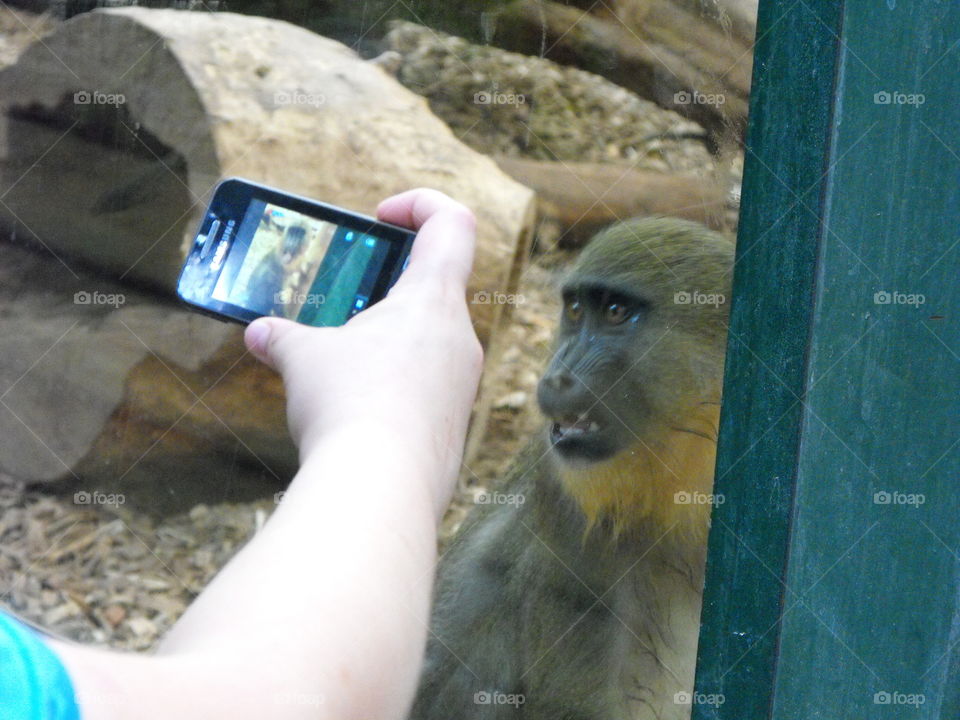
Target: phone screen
{"points": [[260, 253]]}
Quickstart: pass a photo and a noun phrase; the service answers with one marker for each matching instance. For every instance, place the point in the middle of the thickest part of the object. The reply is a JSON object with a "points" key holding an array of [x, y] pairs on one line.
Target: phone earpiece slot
{"points": [[210, 239]]}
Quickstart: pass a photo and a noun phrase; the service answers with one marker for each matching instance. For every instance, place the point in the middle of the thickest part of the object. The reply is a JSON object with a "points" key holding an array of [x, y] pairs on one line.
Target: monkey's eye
{"points": [[615, 313], [573, 310]]}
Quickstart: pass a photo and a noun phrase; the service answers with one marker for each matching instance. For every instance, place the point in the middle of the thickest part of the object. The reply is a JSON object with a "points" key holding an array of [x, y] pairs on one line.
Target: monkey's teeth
{"points": [[577, 426]]}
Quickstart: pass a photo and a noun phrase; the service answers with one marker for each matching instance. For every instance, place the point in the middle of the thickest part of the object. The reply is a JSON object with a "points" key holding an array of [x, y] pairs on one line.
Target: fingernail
{"points": [[257, 335]]}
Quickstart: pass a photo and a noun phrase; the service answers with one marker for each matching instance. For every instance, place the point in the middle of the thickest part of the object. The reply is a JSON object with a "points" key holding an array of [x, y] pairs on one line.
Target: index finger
{"points": [[446, 234]]}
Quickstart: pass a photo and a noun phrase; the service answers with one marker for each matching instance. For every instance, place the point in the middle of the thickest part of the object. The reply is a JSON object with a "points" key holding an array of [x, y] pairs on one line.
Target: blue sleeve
{"points": [[33, 682]]}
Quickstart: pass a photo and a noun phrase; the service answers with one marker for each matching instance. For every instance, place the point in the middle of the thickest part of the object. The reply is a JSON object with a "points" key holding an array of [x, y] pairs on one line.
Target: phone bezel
{"points": [[231, 200]]}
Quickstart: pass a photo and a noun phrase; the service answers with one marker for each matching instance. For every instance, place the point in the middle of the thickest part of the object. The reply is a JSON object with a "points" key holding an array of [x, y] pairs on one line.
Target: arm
{"points": [[325, 612]]}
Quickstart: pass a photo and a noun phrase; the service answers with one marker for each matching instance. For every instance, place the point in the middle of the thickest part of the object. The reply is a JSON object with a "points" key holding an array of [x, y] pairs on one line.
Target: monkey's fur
{"points": [[583, 602]]}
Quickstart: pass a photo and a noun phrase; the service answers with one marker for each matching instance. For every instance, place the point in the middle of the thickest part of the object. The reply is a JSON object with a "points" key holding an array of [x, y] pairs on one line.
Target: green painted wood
{"points": [[833, 583]]}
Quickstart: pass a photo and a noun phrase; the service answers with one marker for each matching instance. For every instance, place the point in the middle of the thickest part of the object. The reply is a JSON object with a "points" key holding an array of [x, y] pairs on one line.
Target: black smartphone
{"points": [[261, 251]]}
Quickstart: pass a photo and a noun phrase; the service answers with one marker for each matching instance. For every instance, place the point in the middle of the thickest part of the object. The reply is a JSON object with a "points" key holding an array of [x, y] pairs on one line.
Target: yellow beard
{"points": [[646, 482]]}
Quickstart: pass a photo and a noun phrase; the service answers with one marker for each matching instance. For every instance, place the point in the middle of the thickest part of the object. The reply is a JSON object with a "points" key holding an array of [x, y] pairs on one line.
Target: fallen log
{"points": [[575, 200], [122, 121], [674, 57], [109, 390], [113, 132]]}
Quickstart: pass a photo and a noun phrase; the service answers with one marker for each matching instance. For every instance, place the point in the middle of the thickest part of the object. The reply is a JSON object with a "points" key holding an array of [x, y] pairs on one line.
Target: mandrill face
{"points": [[584, 389], [639, 349]]}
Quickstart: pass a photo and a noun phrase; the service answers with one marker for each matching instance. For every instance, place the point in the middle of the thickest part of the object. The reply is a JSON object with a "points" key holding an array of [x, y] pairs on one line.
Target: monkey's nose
{"points": [[561, 394], [560, 381]]}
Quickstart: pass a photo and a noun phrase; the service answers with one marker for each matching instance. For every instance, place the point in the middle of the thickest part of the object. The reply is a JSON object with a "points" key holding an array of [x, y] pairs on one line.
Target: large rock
{"points": [[511, 104]]}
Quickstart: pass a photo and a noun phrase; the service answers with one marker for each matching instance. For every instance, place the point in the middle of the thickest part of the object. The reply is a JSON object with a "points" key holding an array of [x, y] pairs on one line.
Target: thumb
{"points": [[265, 339]]}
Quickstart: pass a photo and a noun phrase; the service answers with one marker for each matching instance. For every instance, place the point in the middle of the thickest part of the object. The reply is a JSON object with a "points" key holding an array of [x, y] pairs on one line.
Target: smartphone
{"points": [[261, 251]]}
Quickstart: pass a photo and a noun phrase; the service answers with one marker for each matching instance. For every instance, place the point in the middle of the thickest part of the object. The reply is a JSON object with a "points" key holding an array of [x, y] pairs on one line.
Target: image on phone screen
{"points": [[286, 263]]}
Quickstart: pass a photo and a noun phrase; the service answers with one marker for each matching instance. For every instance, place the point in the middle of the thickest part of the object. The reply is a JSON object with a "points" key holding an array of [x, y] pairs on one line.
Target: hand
{"points": [[405, 369]]}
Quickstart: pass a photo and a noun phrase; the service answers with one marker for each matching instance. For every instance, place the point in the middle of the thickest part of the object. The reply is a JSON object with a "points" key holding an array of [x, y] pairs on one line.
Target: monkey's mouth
{"points": [[573, 428], [581, 439]]}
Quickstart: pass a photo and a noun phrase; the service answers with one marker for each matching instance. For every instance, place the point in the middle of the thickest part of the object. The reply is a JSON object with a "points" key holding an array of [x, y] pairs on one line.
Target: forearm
{"points": [[303, 621], [351, 546]]}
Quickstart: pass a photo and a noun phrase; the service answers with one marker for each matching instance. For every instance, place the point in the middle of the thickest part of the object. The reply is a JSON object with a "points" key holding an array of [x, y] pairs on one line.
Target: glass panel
{"points": [[141, 446]]}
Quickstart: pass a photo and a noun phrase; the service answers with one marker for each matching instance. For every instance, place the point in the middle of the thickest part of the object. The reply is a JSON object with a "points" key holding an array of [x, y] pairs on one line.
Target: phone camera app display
{"points": [[287, 264], [261, 251]]}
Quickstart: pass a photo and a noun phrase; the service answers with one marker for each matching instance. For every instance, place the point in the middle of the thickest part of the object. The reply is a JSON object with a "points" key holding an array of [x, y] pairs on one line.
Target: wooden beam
{"points": [[833, 574]]}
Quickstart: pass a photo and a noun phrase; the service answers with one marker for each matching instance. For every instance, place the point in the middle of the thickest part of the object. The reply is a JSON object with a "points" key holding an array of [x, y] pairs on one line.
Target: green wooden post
{"points": [[833, 582]]}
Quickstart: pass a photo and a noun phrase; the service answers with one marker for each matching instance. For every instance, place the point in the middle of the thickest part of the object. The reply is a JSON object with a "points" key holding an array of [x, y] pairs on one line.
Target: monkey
{"points": [[578, 598], [273, 269]]}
